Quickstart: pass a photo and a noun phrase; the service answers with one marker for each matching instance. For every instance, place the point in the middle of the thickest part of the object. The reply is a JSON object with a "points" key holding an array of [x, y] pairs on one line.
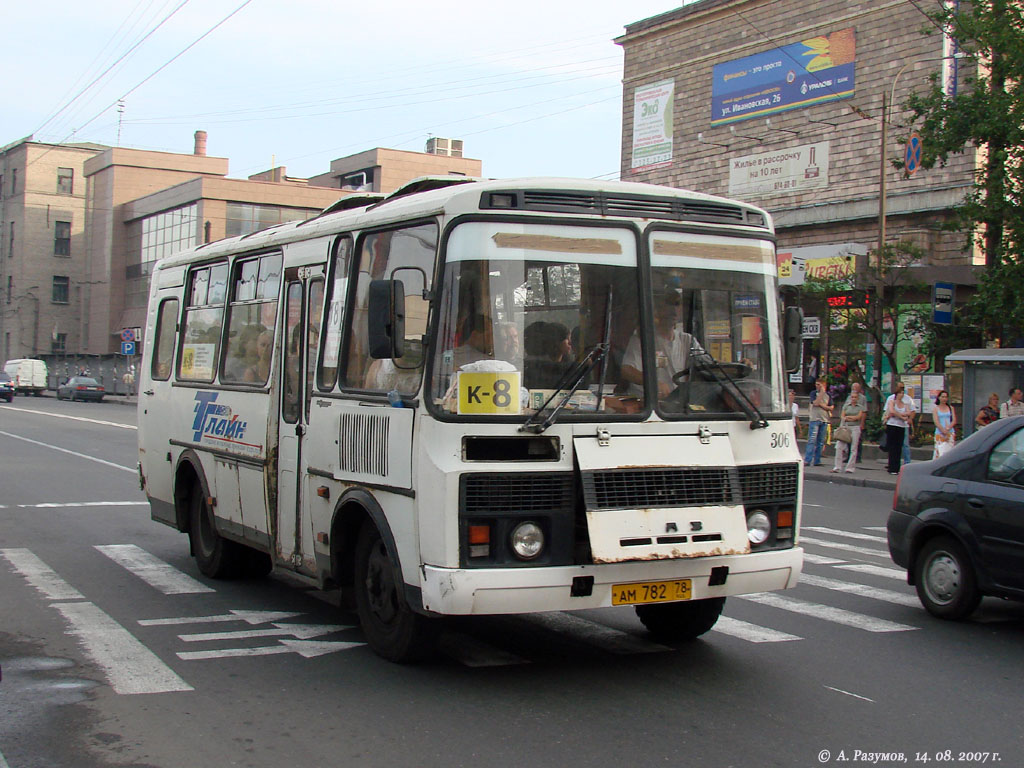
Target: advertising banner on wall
{"points": [[813, 71], [795, 169], [652, 125], [824, 262]]}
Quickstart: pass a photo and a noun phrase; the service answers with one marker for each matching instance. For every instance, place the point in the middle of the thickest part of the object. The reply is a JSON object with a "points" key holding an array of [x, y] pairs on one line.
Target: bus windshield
{"points": [[521, 304], [715, 311]]}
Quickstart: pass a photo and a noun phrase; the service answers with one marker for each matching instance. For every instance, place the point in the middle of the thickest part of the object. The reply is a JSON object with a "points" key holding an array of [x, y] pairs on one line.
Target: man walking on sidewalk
{"points": [[820, 413]]}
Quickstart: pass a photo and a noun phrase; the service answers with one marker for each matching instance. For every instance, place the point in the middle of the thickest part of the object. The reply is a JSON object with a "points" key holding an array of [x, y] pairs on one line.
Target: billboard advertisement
{"points": [[813, 71], [795, 169], [652, 125]]}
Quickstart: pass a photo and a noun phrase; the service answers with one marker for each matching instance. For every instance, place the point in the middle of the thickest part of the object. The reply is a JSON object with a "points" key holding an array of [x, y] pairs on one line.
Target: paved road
{"points": [[115, 651]]}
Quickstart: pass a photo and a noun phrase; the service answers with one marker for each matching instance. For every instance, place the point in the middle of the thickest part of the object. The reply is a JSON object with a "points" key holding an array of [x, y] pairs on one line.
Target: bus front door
{"points": [[304, 300]]}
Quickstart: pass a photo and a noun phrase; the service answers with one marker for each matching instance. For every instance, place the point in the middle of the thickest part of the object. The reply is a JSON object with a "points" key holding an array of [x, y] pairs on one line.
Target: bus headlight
{"points": [[527, 540], [759, 527]]}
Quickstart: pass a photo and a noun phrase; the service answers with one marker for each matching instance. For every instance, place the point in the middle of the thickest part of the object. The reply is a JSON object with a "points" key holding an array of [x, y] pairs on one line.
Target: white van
{"points": [[28, 375]]}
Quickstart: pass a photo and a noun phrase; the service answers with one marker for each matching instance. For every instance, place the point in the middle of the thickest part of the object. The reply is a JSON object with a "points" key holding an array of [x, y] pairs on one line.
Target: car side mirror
{"points": [[386, 319], [792, 337]]}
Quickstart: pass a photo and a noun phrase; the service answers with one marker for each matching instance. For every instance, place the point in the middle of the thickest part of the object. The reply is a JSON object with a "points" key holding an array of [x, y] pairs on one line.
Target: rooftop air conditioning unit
{"points": [[447, 147]]}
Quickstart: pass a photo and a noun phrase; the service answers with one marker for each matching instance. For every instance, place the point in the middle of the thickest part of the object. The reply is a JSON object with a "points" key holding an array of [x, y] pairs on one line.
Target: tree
{"points": [[989, 115]]}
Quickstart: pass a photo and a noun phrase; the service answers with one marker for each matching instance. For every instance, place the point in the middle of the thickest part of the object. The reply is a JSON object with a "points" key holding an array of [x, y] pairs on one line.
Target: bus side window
{"points": [[328, 371], [201, 329], [379, 254], [163, 348], [252, 313]]}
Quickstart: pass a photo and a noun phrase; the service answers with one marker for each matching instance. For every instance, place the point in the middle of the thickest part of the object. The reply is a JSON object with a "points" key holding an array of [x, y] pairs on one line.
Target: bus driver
{"points": [[672, 349]]}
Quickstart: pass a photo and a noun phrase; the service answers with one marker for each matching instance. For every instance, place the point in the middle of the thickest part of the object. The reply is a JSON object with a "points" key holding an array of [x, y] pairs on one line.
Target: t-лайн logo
{"points": [[214, 420]]}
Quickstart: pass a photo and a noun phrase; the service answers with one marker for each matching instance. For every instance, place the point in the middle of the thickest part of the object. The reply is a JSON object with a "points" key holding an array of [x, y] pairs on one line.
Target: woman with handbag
{"points": [[851, 422], [945, 423]]}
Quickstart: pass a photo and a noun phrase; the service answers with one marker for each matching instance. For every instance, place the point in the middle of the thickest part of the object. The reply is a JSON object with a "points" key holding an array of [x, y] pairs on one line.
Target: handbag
{"points": [[844, 435]]}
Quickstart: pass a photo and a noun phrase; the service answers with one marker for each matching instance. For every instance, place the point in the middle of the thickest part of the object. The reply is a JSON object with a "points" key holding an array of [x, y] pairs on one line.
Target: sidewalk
{"points": [[870, 473]]}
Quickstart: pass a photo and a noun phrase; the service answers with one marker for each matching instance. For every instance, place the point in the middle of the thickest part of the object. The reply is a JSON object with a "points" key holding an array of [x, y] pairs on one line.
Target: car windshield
{"points": [[521, 305], [715, 315]]}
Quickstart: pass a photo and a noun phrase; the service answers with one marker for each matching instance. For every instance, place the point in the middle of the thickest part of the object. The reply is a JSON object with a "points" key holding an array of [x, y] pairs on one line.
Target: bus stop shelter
{"points": [[987, 371]]}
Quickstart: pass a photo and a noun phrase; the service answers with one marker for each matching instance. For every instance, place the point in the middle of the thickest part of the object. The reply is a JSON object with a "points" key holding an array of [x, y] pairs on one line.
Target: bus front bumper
{"points": [[480, 591]]}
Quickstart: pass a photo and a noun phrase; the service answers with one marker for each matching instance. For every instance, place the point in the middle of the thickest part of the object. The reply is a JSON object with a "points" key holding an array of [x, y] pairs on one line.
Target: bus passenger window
{"points": [[163, 349], [252, 312], [201, 328]]}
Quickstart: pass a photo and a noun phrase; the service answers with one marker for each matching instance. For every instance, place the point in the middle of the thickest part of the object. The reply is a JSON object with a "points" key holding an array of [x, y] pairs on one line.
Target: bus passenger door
{"points": [[304, 297]]}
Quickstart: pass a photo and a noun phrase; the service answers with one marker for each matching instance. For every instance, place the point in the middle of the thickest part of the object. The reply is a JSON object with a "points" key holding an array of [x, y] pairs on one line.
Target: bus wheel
{"points": [[393, 630], [215, 556], [681, 621]]}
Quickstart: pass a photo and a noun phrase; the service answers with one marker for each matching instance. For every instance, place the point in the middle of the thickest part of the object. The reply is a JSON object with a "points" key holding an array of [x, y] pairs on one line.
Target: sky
{"points": [[535, 90]]}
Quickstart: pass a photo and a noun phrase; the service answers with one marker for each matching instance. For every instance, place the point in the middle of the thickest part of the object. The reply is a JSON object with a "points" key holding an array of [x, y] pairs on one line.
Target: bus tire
{"points": [[216, 557], [393, 630], [681, 621]]}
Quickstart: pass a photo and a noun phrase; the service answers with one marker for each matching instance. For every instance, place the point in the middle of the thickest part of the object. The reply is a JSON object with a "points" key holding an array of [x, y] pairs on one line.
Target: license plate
{"points": [[651, 592]]}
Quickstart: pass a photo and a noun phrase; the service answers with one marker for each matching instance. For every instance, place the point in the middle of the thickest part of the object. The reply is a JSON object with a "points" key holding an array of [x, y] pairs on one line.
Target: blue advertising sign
{"points": [[812, 71]]}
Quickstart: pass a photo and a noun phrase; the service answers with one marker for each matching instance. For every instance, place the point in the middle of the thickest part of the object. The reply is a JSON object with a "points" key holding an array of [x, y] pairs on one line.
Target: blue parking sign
{"points": [[127, 347]]}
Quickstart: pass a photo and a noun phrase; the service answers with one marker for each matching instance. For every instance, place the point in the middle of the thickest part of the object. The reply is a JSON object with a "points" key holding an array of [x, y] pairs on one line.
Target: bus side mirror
{"points": [[386, 318], [792, 337]]}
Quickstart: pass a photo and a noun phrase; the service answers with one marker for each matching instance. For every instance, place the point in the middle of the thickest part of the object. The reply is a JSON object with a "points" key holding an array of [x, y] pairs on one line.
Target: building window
{"points": [[244, 219], [155, 238], [65, 181], [14, 181], [10, 288], [60, 289], [10, 246], [59, 344], [62, 238]]}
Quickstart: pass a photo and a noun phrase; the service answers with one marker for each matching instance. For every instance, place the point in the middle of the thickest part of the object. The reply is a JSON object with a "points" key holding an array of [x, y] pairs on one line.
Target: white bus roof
{"points": [[454, 195]]}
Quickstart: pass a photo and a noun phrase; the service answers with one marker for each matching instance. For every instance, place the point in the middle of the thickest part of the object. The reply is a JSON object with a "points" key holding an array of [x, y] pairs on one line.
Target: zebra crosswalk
{"points": [[852, 586]]}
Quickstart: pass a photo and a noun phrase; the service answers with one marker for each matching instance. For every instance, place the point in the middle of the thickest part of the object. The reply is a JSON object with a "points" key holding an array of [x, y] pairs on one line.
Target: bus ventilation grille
{"points": [[363, 444], [520, 492], [641, 206], [769, 482], [660, 487]]}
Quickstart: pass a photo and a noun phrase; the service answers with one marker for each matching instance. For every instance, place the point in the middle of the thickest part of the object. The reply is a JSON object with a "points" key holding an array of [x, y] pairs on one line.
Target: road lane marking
{"points": [[40, 575], [153, 570], [827, 613], [130, 667], [881, 528], [133, 470], [876, 570], [847, 693], [844, 547], [751, 632], [300, 631], [250, 617], [73, 504], [76, 418], [846, 534], [810, 557], [861, 590], [306, 648], [594, 633]]}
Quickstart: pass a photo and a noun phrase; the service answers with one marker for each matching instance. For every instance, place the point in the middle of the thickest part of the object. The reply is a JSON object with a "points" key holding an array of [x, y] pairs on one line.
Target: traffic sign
{"points": [[943, 297], [127, 334], [912, 155], [127, 347]]}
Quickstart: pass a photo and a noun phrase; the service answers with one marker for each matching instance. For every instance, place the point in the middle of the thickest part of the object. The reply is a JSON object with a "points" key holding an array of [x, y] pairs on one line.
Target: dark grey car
{"points": [[957, 523], [81, 388]]}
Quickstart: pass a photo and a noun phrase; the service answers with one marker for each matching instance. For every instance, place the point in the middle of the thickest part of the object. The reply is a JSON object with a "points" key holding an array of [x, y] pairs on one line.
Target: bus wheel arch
{"points": [[188, 478]]}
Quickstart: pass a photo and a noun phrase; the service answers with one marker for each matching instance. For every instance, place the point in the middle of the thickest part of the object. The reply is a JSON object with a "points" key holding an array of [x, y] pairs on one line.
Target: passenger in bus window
{"points": [[548, 353], [260, 370], [479, 341], [507, 344]]}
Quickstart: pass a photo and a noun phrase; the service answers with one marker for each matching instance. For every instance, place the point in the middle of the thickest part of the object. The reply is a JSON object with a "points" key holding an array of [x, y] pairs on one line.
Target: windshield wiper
{"points": [[707, 362], [575, 375]]}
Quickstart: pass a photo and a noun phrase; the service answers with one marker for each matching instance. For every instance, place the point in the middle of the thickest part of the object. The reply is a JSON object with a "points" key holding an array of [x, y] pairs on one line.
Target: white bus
{"points": [[483, 397]]}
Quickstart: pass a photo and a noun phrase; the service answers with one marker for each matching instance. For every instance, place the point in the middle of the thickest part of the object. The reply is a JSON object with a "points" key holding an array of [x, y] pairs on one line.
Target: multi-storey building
{"points": [[782, 104], [42, 246]]}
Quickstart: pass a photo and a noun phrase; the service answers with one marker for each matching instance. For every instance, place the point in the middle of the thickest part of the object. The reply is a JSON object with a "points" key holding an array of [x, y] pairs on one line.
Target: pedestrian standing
{"points": [[910, 427], [852, 417], [988, 412], [859, 389], [897, 415], [795, 410], [820, 413], [945, 423], [1014, 406]]}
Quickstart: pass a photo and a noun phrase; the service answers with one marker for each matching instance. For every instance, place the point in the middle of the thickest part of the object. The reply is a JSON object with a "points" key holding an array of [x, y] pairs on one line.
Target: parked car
{"points": [[957, 523], [29, 375], [81, 388], [6, 387]]}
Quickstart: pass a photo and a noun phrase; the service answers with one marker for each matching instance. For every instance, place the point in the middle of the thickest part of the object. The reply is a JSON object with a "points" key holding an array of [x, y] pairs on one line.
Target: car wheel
{"points": [[393, 630], [681, 621], [946, 583]]}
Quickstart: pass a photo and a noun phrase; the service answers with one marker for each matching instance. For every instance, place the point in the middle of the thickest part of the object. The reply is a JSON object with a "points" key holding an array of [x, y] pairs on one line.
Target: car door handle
{"points": [[149, 392], [975, 503]]}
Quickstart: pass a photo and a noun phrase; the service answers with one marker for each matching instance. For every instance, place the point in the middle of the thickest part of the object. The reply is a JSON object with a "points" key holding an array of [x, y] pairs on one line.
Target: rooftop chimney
{"points": [[200, 143]]}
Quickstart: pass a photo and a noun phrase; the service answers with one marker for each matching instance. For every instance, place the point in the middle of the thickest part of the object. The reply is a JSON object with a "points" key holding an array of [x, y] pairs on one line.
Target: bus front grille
{"points": [[769, 482], [492, 493], [660, 487]]}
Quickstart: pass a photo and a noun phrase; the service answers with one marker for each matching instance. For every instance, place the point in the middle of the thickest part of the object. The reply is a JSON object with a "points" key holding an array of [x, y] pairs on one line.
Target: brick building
{"points": [[781, 104]]}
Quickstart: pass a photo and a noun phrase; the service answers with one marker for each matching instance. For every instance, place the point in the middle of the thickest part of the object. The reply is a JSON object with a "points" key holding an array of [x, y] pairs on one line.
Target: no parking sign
{"points": [[912, 155]]}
